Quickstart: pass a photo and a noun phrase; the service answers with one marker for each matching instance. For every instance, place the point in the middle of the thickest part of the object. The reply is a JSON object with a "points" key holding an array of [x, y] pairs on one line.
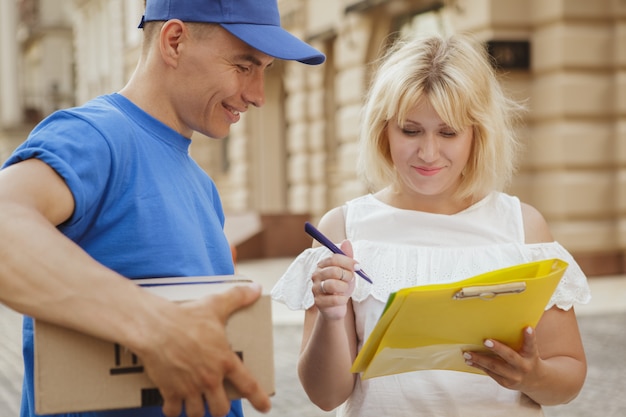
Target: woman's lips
{"points": [[427, 172]]}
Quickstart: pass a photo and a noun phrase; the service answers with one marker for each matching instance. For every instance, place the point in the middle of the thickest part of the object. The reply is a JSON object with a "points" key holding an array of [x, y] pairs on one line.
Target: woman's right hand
{"points": [[334, 282]]}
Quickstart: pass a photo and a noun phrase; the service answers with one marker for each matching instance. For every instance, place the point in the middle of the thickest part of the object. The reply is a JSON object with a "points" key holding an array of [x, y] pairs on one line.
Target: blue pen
{"points": [[317, 235]]}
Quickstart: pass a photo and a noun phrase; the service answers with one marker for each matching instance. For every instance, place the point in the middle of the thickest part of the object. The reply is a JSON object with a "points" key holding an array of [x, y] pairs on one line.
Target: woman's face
{"points": [[429, 156]]}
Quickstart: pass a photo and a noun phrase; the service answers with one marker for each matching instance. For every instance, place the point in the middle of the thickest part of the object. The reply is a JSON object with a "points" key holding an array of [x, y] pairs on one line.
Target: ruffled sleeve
{"points": [[294, 288], [573, 287]]}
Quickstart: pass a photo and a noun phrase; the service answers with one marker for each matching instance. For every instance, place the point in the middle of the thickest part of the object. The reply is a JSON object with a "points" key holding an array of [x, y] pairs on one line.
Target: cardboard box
{"points": [[75, 372]]}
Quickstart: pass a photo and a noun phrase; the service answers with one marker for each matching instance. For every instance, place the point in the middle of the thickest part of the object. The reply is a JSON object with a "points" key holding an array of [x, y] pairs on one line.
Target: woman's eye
{"points": [[410, 132], [448, 134]]}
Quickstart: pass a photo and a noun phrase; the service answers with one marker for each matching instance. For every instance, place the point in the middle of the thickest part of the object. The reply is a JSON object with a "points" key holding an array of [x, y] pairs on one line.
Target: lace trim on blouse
{"points": [[427, 265]]}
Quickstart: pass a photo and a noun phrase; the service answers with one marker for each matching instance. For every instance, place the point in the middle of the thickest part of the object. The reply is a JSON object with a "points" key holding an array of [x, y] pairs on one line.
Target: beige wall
{"points": [[297, 154]]}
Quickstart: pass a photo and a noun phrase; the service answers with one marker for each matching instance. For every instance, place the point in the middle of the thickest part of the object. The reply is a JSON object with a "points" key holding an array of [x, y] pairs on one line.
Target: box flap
{"points": [[190, 288]]}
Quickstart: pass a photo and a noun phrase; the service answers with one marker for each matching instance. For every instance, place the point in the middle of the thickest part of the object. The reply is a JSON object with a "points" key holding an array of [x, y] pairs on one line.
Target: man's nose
{"points": [[254, 93]]}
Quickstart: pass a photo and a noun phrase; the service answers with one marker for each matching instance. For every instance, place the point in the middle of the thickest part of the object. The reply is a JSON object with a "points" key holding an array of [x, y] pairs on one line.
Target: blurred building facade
{"points": [[296, 156]]}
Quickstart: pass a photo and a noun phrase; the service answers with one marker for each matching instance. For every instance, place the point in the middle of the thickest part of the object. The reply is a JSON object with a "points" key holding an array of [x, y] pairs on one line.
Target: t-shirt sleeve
{"points": [[76, 151]]}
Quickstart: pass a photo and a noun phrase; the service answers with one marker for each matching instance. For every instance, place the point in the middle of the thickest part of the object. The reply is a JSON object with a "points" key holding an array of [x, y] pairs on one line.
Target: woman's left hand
{"points": [[509, 368]]}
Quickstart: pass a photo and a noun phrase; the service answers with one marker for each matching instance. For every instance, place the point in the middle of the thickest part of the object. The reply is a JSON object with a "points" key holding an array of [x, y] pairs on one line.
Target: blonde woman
{"points": [[438, 148]]}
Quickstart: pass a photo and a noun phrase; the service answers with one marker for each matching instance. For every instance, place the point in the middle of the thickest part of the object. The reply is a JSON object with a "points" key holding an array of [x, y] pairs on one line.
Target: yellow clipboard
{"points": [[430, 326]]}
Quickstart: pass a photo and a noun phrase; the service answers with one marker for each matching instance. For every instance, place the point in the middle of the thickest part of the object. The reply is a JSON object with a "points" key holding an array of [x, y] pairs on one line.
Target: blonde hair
{"points": [[456, 76]]}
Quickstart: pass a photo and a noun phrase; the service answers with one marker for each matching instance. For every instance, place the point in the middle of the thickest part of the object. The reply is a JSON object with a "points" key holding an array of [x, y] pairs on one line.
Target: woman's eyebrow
{"points": [[415, 122], [441, 125]]}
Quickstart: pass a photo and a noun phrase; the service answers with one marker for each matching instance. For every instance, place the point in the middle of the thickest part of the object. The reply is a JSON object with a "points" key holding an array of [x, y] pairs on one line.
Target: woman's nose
{"points": [[429, 148]]}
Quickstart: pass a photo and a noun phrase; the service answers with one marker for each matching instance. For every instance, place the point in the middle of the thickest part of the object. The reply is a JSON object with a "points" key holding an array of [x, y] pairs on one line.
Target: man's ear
{"points": [[171, 37]]}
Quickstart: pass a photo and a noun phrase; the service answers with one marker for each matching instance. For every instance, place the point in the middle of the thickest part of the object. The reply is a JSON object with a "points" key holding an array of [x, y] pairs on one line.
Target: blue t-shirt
{"points": [[143, 207]]}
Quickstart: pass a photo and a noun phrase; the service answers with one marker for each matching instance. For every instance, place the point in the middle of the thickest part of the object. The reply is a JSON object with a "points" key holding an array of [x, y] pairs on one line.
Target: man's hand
{"points": [[190, 357]]}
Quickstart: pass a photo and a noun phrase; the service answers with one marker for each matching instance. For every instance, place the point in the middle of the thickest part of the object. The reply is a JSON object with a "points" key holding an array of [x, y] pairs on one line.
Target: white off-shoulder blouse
{"points": [[403, 248]]}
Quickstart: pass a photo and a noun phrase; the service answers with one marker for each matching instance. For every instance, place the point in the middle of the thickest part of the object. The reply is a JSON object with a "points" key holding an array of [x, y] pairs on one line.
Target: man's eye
{"points": [[243, 68]]}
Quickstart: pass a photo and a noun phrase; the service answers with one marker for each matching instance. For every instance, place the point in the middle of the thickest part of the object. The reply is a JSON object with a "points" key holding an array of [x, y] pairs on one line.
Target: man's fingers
{"points": [[172, 407], [217, 402], [249, 388], [195, 407], [243, 381], [219, 363], [226, 303]]}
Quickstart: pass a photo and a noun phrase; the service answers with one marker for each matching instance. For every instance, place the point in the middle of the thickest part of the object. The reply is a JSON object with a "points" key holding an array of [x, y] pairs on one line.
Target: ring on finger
{"points": [[322, 286]]}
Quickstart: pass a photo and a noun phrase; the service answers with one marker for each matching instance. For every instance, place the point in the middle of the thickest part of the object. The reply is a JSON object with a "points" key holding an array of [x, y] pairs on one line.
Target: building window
{"points": [[435, 20]]}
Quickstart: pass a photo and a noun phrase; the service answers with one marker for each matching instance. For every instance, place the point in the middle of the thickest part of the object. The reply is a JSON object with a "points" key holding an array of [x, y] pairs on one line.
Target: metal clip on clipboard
{"points": [[488, 292]]}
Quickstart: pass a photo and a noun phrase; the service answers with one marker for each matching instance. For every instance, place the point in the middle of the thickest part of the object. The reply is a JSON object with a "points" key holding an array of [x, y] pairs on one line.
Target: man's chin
{"points": [[221, 134]]}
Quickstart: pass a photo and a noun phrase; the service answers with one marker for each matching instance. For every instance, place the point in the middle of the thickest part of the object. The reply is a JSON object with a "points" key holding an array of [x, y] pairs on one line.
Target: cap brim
{"points": [[276, 42]]}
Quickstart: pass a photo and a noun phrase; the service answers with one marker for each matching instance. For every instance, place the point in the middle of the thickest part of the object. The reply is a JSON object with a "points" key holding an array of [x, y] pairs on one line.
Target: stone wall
{"points": [[297, 154]]}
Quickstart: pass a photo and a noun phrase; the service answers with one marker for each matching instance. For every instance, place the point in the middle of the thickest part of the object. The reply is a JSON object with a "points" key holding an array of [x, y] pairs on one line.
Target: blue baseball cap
{"points": [[256, 22]]}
